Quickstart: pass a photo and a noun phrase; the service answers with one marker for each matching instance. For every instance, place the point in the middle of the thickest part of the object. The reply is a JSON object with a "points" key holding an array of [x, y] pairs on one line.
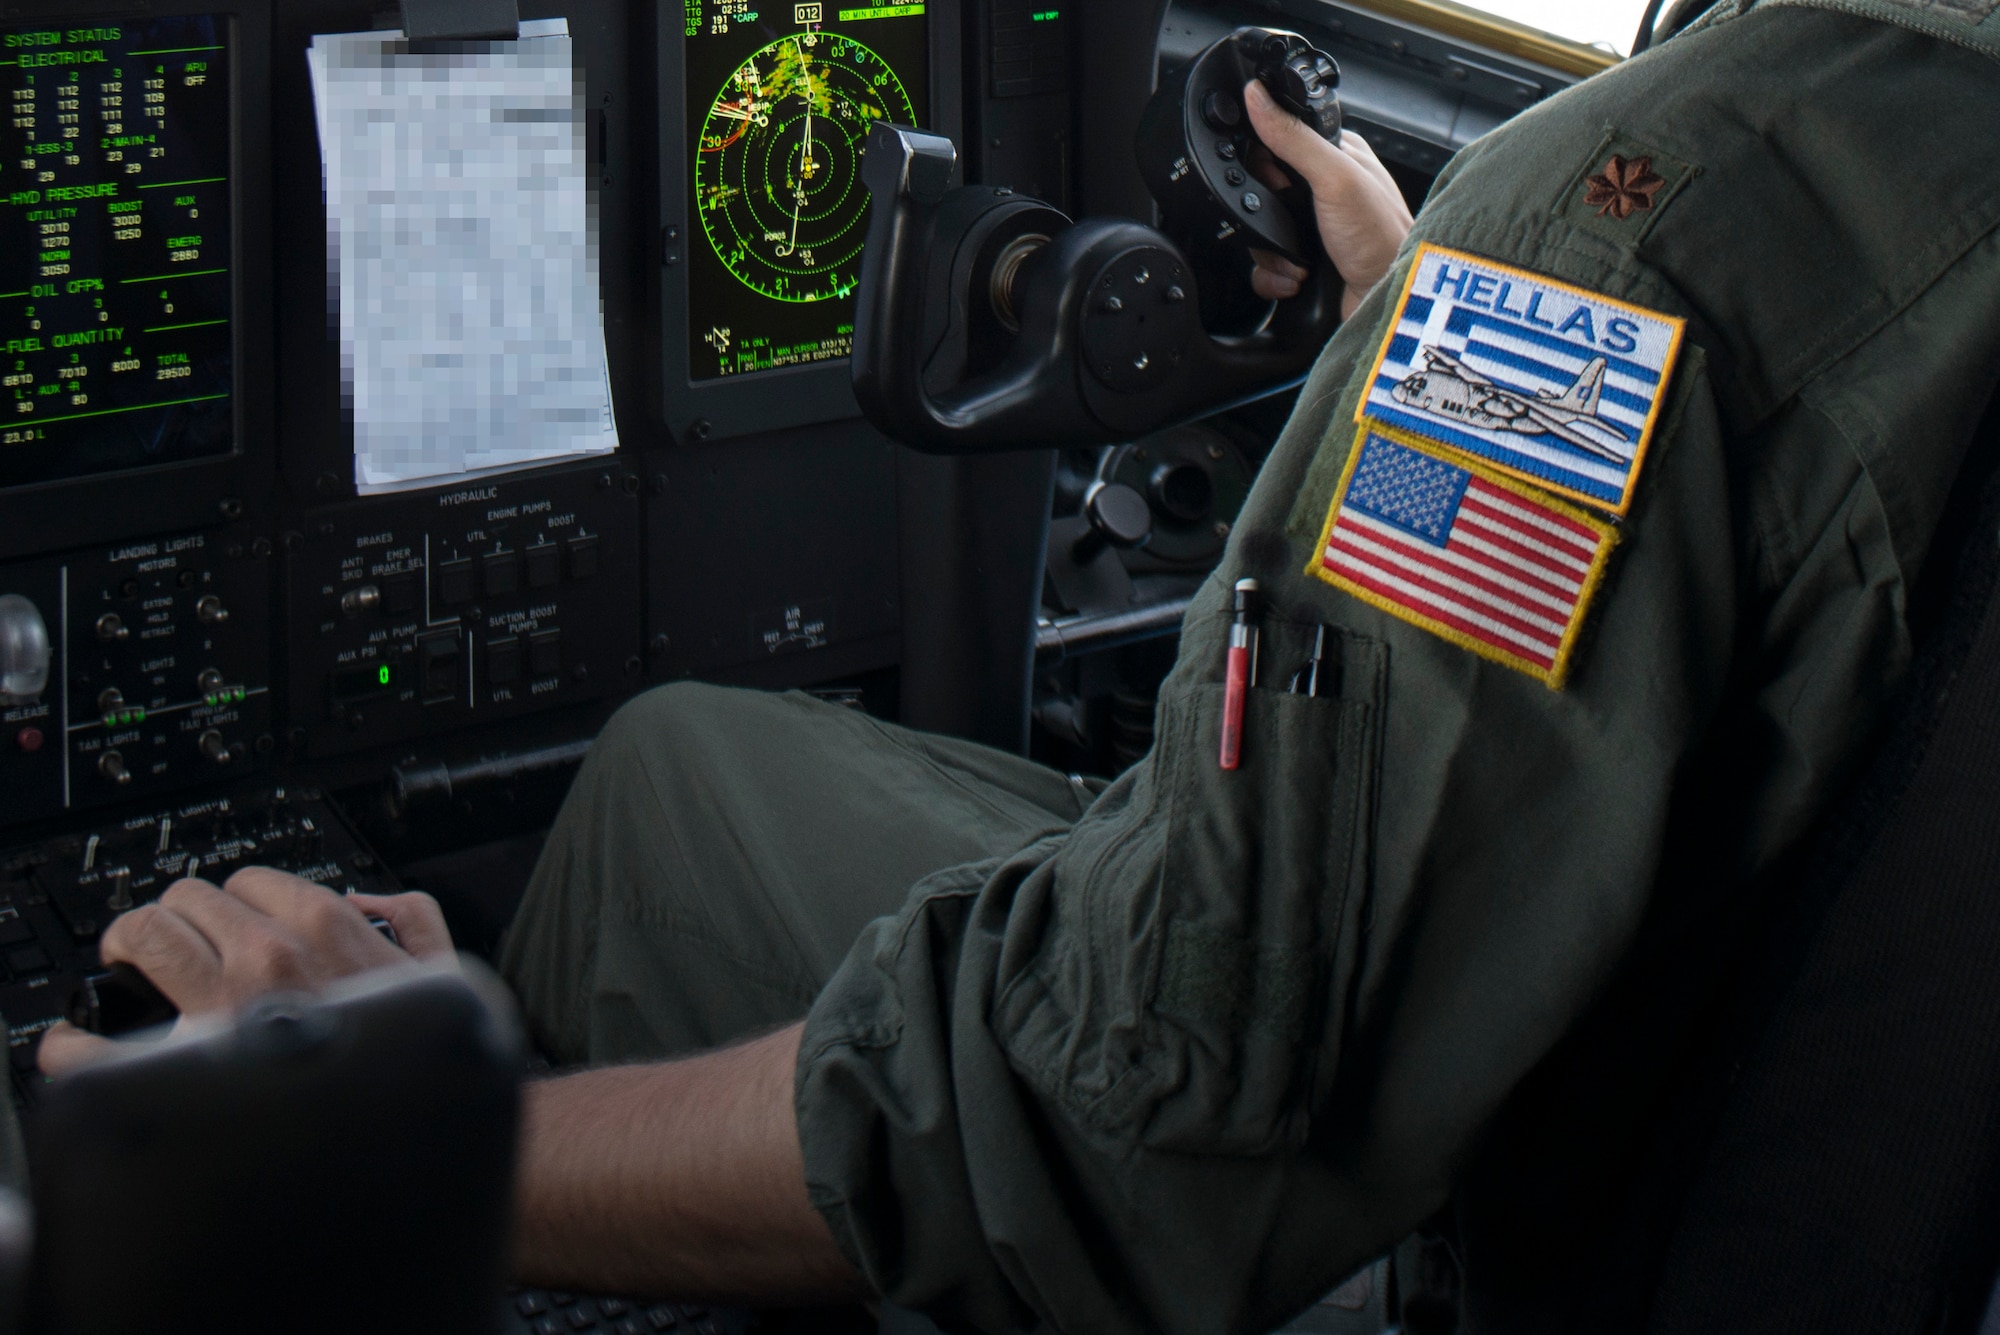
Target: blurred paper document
{"points": [[460, 232]]}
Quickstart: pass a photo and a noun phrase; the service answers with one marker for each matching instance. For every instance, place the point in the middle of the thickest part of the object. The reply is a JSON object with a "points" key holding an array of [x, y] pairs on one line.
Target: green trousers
{"points": [[722, 849]]}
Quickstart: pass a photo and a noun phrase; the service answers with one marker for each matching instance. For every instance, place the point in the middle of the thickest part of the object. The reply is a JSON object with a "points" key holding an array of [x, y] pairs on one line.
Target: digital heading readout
{"points": [[115, 247], [781, 97]]}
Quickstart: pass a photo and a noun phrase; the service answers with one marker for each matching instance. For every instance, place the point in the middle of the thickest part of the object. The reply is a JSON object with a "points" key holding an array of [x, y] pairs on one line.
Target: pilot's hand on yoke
{"points": [[215, 948], [1360, 210]]}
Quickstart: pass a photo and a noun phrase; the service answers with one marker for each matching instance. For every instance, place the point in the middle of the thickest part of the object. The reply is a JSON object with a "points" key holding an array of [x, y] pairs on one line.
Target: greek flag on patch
{"points": [[1546, 381]]}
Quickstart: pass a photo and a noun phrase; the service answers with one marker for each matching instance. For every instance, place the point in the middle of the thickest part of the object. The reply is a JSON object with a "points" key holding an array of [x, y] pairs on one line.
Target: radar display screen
{"points": [[115, 339], [781, 97]]}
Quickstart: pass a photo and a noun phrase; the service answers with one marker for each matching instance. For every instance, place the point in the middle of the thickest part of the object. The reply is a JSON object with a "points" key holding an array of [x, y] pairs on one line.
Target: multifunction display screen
{"points": [[781, 96], [115, 339]]}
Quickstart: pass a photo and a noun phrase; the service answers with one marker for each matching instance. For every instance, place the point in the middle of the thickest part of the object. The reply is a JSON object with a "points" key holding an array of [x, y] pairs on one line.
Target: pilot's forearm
{"points": [[677, 1179]]}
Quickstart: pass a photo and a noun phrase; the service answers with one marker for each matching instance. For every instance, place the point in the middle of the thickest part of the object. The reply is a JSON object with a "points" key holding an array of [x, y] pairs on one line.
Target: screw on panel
{"points": [[231, 507]]}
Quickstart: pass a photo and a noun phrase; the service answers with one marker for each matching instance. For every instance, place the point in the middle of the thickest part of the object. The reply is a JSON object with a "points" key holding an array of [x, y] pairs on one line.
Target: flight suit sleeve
{"points": [[1185, 1067]]}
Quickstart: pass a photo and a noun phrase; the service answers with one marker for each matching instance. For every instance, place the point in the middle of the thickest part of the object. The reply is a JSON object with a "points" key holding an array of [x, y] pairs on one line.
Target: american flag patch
{"points": [[1464, 552]]}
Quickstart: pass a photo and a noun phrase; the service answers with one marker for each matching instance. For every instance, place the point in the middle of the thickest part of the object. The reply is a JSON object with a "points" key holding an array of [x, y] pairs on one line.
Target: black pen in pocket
{"points": [[1316, 676]]}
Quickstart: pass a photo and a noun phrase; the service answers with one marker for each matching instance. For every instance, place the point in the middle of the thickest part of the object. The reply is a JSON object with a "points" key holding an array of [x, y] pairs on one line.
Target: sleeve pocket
{"points": [[1196, 972]]}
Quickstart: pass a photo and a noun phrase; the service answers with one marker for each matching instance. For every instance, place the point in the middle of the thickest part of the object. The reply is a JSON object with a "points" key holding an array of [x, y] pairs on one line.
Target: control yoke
{"points": [[990, 321]]}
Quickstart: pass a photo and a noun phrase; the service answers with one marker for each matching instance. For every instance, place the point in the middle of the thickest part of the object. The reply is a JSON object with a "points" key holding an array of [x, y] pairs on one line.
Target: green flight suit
{"points": [[1183, 1060]]}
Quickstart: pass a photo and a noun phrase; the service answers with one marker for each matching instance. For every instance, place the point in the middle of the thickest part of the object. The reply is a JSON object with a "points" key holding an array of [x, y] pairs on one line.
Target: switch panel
{"points": [[158, 677], [417, 614]]}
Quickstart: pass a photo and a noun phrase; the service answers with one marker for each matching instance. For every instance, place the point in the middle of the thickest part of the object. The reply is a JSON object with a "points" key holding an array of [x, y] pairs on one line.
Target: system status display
{"points": [[781, 97], [115, 241]]}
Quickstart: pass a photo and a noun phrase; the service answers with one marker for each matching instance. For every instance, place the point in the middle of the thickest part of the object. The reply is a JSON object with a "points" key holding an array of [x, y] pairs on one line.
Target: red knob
{"points": [[29, 740]]}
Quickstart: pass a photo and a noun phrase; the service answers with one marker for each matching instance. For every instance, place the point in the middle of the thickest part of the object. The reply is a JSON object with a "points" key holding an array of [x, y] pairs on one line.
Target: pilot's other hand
{"points": [[1361, 214], [214, 948]]}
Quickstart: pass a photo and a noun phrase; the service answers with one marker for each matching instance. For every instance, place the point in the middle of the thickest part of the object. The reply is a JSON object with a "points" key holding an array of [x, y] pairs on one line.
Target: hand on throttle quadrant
{"points": [[214, 948]]}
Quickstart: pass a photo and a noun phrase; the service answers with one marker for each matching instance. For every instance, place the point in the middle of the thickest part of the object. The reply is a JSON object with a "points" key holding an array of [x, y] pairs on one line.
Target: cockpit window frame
{"points": [[1464, 23]]}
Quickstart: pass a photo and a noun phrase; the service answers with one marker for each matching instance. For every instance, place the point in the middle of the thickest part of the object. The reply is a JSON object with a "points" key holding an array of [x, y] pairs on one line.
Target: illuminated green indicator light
{"points": [[1045, 16], [138, 716], [382, 675], [241, 695], [880, 12]]}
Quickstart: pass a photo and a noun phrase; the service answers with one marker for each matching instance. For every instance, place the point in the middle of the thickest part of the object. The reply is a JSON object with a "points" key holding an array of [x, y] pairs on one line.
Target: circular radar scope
{"points": [[778, 171]]}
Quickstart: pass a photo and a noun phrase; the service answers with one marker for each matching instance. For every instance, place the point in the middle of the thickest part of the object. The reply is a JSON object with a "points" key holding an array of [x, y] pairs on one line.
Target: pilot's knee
{"points": [[677, 720]]}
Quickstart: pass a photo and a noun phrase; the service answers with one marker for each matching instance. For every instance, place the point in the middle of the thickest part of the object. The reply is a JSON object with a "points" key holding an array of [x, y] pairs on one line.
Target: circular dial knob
{"points": [[24, 649], [1119, 517], [1119, 514]]}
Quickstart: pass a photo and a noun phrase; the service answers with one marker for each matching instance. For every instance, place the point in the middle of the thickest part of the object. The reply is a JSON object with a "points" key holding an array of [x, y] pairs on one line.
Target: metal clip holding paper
{"points": [[461, 20]]}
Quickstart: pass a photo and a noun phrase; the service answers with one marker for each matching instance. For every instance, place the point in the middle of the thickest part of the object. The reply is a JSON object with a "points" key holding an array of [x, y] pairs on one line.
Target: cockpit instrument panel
{"points": [[115, 224], [779, 105]]}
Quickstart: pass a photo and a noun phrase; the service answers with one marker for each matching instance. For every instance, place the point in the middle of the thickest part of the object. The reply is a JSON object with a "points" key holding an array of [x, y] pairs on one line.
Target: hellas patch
{"points": [[1464, 552], [1538, 378]]}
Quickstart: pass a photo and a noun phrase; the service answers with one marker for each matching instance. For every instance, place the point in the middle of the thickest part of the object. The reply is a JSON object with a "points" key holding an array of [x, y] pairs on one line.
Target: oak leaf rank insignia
{"points": [[1624, 187]]}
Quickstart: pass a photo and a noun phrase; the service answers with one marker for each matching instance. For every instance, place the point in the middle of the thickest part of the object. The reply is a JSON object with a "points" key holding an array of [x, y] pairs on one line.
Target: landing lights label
{"points": [[1550, 382]]}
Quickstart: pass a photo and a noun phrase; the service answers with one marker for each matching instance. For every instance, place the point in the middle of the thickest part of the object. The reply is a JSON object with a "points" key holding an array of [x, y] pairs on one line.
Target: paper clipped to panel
{"points": [[460, 235]]}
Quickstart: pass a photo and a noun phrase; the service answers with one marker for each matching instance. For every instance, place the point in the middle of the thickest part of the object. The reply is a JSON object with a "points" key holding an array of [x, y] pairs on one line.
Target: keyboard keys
{"points": [[613, 1306], [629, 1325], [661, 1317], [530, 1304], [548, 1325], [581, 1317]]}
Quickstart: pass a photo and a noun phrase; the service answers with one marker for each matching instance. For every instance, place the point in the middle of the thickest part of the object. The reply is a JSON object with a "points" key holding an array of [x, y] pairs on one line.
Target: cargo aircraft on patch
{"points": [[1449, 389]]}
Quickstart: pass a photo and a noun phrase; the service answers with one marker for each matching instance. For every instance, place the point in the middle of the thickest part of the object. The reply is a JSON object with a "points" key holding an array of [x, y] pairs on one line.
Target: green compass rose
{"points": [[778, 166]]}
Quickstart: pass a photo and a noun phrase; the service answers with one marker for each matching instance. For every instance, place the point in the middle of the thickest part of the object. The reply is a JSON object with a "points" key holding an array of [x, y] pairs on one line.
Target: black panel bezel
{"points": [[765, 400], [76, 512]]}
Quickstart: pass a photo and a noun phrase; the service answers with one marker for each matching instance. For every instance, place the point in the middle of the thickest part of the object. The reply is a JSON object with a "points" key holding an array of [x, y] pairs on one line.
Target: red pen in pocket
{"points": [[1241, 672]]}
